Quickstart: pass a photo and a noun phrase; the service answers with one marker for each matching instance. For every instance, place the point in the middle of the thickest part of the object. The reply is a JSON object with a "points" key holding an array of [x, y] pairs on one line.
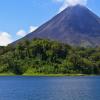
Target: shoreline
{"points": [[51, 75]]}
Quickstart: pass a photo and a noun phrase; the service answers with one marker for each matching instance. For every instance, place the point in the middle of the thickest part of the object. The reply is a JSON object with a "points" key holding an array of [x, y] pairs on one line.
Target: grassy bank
{"points": [[42, 74], [54, 75], [7, 74]]}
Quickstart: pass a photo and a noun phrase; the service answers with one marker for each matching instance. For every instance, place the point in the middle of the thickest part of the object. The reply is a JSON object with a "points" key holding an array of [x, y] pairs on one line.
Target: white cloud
{"points": [[32, 28], [21, 33], [5, 38], [66, 3]]}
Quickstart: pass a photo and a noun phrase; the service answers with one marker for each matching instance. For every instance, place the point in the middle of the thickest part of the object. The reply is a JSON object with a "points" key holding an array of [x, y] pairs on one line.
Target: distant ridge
{"points": [[76, 25]]}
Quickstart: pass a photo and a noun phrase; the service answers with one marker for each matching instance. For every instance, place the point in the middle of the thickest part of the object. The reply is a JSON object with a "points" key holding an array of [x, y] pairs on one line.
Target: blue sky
{"points": [[19, 17]]}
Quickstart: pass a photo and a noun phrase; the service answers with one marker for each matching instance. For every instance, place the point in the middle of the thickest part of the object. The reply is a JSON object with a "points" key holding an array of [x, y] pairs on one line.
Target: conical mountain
{"points": [[76, 25]]}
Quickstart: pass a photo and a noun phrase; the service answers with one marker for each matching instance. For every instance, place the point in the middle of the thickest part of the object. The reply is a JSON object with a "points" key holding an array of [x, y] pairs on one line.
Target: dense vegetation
{"points": [[49, 57]]}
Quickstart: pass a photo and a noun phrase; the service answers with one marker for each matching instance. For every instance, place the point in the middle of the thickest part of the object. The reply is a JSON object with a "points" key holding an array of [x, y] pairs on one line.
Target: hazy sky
{"points": [[19, 17]]}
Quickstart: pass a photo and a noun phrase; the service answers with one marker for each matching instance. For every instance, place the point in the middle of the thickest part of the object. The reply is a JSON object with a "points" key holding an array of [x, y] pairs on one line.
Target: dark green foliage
{"points": [[49, 57]]}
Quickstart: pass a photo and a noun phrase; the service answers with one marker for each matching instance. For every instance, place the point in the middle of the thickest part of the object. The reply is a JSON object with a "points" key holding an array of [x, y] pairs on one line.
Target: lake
{"points": [[50, 88]]}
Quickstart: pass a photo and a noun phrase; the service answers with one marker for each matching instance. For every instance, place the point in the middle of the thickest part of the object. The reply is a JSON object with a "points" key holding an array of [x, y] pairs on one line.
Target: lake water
{"points": [[50, 88]]}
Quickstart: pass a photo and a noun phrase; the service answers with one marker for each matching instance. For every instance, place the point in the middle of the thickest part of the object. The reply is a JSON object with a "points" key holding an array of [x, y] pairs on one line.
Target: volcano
{"points": [[76, 25]]}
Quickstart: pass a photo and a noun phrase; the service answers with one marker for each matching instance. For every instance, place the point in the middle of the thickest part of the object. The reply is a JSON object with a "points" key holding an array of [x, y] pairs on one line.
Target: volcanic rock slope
{"points": [[76, 25]]}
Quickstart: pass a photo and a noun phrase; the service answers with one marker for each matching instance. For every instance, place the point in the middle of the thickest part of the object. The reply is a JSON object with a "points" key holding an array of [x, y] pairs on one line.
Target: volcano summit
{"points": [[76, 25]]}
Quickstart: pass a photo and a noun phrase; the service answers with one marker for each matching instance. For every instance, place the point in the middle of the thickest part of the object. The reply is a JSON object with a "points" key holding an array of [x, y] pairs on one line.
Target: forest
{"points": [[48, 57]]}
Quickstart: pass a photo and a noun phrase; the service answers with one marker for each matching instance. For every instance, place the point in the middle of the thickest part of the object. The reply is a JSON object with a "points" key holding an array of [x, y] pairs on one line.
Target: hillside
{"points": [[48, 57], [76, 25]]}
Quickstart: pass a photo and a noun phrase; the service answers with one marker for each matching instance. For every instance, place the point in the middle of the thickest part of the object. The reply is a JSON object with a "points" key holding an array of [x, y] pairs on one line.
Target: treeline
{"points": [[49, 57]]}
